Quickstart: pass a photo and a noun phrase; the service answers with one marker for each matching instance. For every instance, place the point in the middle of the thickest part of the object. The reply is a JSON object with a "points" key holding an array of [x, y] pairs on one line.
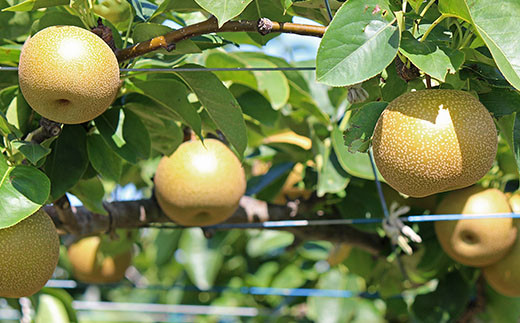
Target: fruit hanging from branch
{"points": [[29, 254], [431, 141], [68, 74], [476, 242], [200, 184]]}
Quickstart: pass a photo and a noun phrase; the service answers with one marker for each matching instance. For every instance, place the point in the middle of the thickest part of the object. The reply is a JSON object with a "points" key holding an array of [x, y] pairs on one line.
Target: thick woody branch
{"points": [[81, 222], [263, 26]]}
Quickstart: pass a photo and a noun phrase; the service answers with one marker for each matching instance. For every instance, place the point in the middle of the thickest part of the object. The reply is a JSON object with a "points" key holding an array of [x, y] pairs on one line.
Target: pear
{"points": [[476, 242], [431, 141], [200, 184], [28, 256], [68, 74]]}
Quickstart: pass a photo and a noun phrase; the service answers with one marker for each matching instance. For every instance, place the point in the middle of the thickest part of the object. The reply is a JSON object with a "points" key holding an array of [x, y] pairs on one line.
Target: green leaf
{"points": [[255, 105], [19, 113], [32, 151], [496, 24], [173, 95], [164, 132], [446, 303], [91, 192], [331, 176], [501, 102], [361, 126], [268, 241], [54, 18], [427, 56], [143, 9], [68, 160], [335, 309], [202, 257], [509, 126], [273, 84], [220, 104], [9, 53], [355, 163], [500, 308], [229, 60], [290, 277], [104, 160], [146, 31], [455, 8], [224, 10], [23, 190], [30, 5], [125, 133], [359, 43]]}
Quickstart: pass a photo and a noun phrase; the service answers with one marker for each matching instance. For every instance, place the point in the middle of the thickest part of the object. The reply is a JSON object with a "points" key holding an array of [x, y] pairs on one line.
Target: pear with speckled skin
{"points": [[431, 141], [200, 184], [68, 74], [29, 252], [476, 242]]}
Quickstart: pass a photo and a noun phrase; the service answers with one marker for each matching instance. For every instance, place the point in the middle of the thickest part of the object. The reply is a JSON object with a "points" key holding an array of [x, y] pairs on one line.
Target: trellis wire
{"points": [[329, 12], [309, 223], [201, 69], [260, 291]]}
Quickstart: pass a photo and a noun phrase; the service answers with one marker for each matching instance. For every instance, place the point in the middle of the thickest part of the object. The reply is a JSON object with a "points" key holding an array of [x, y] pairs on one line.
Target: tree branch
{"points": [[263, 26], [81, 222]]}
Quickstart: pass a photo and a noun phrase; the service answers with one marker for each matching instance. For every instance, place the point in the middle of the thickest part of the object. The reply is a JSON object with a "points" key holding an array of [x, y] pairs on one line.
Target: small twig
{"points": [[263, 26], [428, 81]]}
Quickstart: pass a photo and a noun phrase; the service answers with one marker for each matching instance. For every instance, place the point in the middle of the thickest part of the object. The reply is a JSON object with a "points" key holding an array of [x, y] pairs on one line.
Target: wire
{"points": [[378, 185], [205, 69], [288, 292], [329, 12], [310, 223]]}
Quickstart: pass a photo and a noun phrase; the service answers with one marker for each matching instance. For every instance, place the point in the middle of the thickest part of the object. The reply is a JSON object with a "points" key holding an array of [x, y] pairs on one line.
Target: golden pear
{"points": [[503, 276], [200, 184], [476, 242], [92, 266], [28, 256], [68, 74], [431, 141]]}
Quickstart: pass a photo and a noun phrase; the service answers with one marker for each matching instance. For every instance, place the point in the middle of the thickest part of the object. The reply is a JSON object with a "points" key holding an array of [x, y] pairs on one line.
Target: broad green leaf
{"points": [[496, 24], [335, 309], [50, 309], [166, 243], [290, 277], [20, 114], [172, 95], [501, 102], [509, 126], [30, 5], [68, 160], [23, 190], [331, 176], [359, 43], [431, 59], [500, 308], [255, 105], [146, 31], [104, 160], [202, 257], [143, 9], [65, 298], [267, 242], [361, 126], [273, 84], [176, 5], [164, 132], [355, 163], [230, 60], [455, 8], [32, 151], [220, 104], [54, 18], [9, 54], [125, 133], [224, 10], [446, 303], [91, 192], [393, 85]]}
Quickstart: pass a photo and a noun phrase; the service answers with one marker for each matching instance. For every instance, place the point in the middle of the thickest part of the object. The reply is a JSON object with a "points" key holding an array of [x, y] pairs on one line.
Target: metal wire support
{"points": [[329, 11], [205, 69]]}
